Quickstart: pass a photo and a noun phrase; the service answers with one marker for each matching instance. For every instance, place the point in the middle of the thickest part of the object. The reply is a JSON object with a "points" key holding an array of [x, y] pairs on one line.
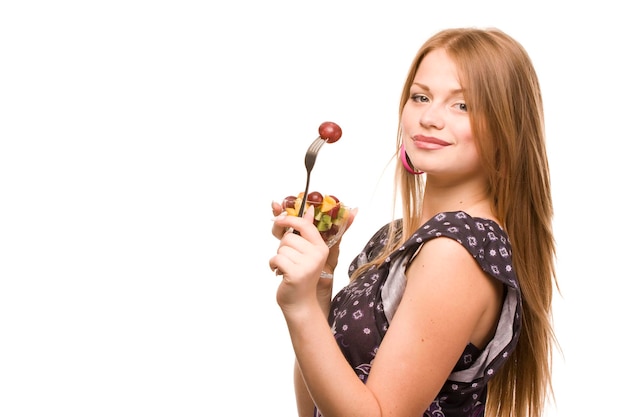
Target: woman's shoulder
{"points": [[483, 238]]}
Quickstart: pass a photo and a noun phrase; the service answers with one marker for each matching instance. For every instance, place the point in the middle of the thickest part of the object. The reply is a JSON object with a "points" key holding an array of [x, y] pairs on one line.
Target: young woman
{"points": [[448, 310]]}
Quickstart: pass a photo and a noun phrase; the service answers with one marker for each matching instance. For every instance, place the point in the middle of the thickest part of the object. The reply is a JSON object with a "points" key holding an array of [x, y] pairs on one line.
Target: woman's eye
{"points": [[419, 98], [461, 106]]}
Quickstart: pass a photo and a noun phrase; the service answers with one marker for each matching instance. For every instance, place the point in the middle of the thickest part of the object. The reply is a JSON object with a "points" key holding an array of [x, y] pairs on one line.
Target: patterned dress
{"points": [[361, 312]]}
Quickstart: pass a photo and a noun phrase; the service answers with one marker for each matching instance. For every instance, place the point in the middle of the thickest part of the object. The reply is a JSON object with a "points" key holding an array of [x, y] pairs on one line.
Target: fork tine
{"points": [[311, 154], [320, 142], [315, 145]]}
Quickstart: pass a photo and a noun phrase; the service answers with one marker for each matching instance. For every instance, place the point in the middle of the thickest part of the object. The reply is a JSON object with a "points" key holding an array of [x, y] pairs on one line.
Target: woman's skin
{"points": [[448, 302]]}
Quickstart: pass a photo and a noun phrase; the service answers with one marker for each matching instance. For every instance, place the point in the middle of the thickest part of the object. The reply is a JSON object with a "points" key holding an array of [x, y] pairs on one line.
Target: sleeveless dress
{"points": [[361, 312]]}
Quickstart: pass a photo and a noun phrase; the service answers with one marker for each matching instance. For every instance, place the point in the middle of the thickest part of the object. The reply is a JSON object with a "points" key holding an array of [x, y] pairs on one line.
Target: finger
{"points": [[288, 258], [277, 208], [275, 268], [304, 216], [309, 214], [279, 230], [303, 225]]}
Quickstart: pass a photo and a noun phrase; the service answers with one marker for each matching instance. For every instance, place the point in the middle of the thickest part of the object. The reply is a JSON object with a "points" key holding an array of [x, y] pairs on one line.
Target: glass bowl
{"points": [[331, 215]]}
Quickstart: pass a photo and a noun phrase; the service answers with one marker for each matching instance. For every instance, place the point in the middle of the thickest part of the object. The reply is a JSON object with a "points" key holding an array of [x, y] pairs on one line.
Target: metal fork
{"points": [[309, 161]]}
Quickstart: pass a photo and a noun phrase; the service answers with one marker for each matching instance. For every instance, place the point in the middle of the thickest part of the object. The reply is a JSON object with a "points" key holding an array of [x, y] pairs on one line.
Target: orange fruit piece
{"points": [[328, 203]]}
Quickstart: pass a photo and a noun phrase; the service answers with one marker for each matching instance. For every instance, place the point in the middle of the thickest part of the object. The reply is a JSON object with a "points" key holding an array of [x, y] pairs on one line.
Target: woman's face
{"points": [[435, 122]]}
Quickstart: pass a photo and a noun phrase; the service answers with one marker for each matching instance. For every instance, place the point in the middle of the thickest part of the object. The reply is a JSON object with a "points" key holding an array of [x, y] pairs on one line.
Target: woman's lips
{"points": [[429, 142]]}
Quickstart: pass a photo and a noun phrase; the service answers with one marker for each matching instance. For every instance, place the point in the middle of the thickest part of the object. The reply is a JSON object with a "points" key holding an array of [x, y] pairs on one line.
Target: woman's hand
{"points": [[280, 230], [333, 257], [300, 259]]}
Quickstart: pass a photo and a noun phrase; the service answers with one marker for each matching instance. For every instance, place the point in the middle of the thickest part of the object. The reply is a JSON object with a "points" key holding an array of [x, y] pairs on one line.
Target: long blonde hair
{"points": [[506, 113]]}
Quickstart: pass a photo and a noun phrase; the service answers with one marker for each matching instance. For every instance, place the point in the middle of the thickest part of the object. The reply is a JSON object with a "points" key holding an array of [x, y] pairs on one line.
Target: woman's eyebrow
{"points": [[456, 91]]}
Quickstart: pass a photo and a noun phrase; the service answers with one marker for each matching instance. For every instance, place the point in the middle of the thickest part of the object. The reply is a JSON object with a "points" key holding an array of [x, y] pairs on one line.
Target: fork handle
{"points": [[304, 198]]}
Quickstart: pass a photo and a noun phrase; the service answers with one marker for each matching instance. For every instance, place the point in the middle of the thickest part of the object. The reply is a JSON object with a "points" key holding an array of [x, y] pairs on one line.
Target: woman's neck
{"points": [[470, 197]]}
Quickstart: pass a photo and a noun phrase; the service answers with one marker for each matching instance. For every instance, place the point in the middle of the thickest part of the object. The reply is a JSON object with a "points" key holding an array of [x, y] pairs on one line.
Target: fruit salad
{"points": [[330, 214]]}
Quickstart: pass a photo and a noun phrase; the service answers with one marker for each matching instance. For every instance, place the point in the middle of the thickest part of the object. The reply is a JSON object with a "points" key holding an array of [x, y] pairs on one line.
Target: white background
{"points": [[141, 144]]}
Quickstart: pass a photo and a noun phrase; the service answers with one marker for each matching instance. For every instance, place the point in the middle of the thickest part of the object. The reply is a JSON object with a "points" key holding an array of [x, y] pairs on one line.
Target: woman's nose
{"points": [[432, 116]]}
